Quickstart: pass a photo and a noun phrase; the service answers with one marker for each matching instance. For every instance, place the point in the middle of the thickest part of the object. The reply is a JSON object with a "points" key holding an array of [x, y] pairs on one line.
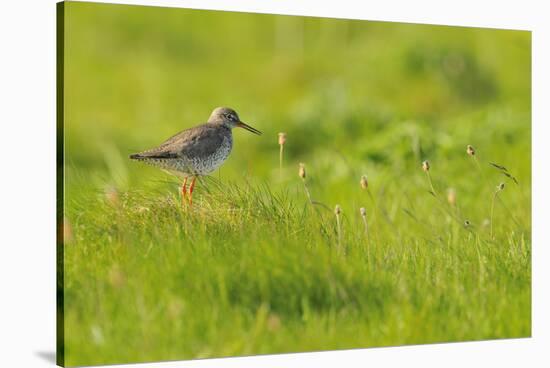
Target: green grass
{"points": [[253, 267]]}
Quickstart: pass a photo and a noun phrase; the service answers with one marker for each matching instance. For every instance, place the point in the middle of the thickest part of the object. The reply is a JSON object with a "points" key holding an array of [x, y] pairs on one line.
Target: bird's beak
{"points": [[240, 124]]}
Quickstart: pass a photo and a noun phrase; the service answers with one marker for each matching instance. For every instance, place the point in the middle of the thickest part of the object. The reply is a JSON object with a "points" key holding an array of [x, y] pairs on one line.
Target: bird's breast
{"points": [[207, 164]]}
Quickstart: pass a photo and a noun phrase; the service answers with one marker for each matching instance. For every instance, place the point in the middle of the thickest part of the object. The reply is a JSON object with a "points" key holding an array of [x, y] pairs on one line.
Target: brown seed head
{"points": [[302, 171], [363, 211], [282, 138], [337, 210], [142, 209], [470, 150], [175, 307], [500, 187], [116, 276], [364, 182], [111, 195], [273, 322], [67, 231], [451, 196], [426, 166]]}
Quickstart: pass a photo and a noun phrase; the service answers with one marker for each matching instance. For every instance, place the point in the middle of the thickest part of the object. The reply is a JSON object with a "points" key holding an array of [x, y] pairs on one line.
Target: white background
{"points": [[27, 181]]}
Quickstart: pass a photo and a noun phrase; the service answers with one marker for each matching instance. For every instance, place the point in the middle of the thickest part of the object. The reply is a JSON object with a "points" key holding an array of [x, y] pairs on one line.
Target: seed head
{"points": [[116, 277], [500, 187], [282, 138], [467, 223], [67, 231], [111, 195], [175, 307], [363, 211], [451, 196], [273, 322], [337, 210], [364, 182], [426, 166], [302, 171], [470, 150], [141, 209]]}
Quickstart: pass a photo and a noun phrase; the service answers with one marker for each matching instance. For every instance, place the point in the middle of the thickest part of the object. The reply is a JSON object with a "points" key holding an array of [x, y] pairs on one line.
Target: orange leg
{"points": [[191, 187], [184, 190]]}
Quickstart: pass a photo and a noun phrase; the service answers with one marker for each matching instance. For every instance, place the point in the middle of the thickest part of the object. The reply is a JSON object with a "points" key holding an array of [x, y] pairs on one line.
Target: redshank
{"points": [[196, 151]]}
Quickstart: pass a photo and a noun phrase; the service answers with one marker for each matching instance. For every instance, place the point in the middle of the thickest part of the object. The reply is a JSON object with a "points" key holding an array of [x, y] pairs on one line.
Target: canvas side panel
{"points": [[60, 325]]}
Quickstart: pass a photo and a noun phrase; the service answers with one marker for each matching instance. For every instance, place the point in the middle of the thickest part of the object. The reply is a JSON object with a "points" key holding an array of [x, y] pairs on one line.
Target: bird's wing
{"points": [[200, 141]]}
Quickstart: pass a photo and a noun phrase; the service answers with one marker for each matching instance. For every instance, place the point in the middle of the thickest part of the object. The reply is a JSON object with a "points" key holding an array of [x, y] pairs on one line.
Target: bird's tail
{"points": [[153, 154]]}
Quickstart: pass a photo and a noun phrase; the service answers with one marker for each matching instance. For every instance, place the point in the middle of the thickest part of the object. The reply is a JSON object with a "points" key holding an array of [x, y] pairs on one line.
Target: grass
{"points": [[258, 264], [150, 280]]}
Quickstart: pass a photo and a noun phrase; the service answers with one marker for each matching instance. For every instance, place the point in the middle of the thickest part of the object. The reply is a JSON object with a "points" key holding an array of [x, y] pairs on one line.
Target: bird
{"points": [[196, 151]]}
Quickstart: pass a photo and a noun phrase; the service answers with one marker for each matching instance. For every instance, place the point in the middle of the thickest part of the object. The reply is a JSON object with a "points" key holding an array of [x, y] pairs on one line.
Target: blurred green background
{"points": [[137, 75], [354, 97]]}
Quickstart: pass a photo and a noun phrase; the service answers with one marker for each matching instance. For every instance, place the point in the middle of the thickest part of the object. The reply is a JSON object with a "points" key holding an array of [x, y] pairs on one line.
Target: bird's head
{"points": [[230, 118]]}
